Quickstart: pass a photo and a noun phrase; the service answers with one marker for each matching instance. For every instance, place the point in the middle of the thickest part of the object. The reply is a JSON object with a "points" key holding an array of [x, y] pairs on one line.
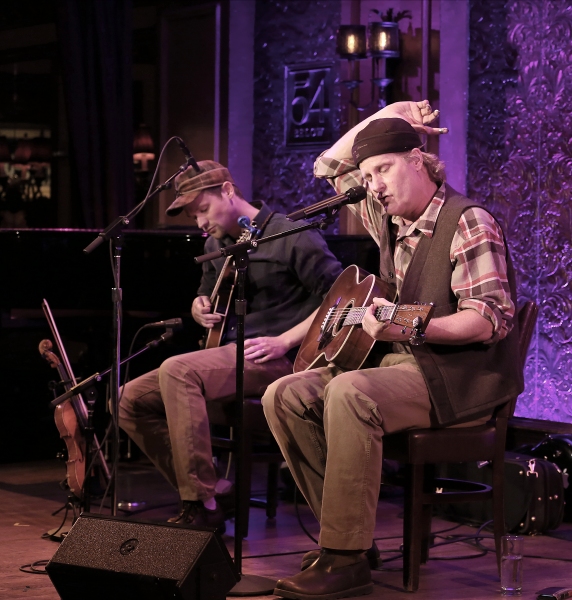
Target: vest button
{"points": [[391, 275]]}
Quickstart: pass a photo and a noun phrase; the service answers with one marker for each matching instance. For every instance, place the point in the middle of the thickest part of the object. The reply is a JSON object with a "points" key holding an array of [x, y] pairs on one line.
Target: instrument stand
{"points": [[59, 533], [249, 585], [91, 397], [87, 388]]}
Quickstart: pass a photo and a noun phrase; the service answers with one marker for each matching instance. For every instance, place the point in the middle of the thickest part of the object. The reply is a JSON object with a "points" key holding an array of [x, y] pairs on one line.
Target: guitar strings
{"points": [[358, 310]]}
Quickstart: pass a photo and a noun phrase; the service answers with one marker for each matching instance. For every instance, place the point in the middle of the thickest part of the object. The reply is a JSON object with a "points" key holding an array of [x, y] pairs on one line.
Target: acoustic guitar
{"points": [[335, 335]]}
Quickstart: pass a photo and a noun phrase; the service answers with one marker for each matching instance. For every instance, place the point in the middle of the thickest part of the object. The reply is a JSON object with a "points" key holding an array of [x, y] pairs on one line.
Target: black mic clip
{"points": [[163, 338]]}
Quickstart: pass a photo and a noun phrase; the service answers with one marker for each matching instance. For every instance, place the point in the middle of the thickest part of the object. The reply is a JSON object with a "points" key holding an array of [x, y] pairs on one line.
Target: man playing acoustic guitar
{"points": [[164, 411], [435, 246]]}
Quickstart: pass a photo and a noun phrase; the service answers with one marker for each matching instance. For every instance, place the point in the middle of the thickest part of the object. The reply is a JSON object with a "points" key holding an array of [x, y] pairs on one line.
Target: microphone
{"points": [[244, 222], [169, 324], [190, 160], [351, 196]]}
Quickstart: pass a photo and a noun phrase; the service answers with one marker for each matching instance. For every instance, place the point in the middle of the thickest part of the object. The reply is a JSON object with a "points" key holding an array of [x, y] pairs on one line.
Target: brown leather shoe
{"points": [[373, 557], [331, 576], [195, 514]]}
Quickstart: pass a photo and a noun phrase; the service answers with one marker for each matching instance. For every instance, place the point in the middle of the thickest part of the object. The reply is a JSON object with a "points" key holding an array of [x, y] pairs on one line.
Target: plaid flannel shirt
{"points": [[479, 279]]}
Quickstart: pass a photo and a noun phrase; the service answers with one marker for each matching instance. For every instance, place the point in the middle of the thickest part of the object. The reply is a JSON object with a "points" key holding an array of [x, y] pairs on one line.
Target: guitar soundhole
{"points": [[341, 314]]}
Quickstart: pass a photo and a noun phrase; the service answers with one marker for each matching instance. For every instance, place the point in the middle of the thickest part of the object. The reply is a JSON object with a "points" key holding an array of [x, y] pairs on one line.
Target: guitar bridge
{"points": [[326, 336]]}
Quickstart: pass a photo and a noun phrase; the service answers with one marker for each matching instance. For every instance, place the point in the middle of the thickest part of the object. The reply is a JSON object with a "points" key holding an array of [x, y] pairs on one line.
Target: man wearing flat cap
{"points": [[164, 411], [436, 246]]}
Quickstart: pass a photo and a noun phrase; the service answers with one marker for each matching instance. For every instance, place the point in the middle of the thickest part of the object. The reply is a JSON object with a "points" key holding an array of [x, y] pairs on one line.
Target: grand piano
{"points": [[159, 281]]}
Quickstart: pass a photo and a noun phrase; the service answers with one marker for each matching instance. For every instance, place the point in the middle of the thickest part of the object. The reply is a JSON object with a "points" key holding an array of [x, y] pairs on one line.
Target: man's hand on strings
{"points": [[382, 330], [201, 311]]}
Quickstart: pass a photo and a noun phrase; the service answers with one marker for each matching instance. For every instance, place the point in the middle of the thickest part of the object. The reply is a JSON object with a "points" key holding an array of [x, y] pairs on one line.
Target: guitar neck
{"points": [[356, 315]]}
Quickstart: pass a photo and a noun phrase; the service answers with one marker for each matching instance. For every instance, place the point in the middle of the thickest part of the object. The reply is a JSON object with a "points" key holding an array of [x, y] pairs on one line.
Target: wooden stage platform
{"points": [[29, 494]]}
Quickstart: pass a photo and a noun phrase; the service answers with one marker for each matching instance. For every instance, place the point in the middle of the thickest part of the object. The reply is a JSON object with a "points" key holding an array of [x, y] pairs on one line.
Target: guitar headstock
{"points": [[45, 349], [406, 315]]}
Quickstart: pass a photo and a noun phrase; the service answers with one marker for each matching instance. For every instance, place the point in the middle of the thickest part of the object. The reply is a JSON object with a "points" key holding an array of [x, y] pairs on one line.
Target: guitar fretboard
{"points": [[355, 315]]}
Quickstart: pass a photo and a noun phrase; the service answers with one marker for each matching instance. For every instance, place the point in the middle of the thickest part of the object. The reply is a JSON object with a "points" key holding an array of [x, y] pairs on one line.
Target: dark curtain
{"points": [[95, 38]]}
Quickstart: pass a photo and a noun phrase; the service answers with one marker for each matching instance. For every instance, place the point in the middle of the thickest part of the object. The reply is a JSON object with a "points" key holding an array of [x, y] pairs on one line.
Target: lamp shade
{"points": [[384, 39], [142, 141], [351, 41], [143, 150]]}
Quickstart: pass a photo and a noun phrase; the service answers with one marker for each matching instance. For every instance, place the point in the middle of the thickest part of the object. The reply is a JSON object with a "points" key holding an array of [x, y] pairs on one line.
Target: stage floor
{"points": [[29, 494]]}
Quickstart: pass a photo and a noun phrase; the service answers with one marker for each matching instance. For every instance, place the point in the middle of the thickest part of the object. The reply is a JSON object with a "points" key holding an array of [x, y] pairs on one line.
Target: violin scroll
{"points": [[45, 349]]}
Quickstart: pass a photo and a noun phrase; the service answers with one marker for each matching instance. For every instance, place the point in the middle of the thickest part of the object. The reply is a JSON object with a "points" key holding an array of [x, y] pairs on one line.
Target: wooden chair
{"points": [[422, 449], [260, 447]]}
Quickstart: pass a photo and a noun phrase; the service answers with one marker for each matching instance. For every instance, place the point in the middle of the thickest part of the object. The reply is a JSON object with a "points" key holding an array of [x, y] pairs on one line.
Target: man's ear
{"points": [[228, 189], [416, 158]]}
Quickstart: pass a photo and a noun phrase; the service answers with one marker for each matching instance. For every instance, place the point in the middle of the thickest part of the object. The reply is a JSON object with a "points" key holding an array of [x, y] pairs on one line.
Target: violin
{"points": [[71, 419]]}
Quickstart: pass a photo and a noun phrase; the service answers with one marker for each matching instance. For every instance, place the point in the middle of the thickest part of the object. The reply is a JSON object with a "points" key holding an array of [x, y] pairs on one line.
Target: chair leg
{"points": [[499, 525], [427, 512], [272, 489], [412, 526]]}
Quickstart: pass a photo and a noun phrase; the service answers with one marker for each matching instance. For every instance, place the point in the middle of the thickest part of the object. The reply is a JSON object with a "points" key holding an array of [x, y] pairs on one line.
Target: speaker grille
{"points": [[130, 547]]}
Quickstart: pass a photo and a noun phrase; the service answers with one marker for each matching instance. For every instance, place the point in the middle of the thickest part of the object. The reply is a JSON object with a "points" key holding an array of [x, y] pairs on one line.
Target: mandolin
{"points": [[221, 297], [335, 336]]}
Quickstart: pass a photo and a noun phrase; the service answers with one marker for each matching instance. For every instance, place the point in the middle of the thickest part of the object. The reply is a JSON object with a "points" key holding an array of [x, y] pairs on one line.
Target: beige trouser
{"points": [[329, 425], [164, 412]]}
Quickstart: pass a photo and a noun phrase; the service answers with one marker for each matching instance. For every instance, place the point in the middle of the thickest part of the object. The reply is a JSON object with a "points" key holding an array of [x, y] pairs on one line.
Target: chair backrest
{"points": [[526, 322]]}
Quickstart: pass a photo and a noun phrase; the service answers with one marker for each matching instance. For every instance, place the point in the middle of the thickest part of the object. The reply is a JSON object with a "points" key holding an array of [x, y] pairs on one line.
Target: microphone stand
{"points": [[114, 232], [249, 585]]}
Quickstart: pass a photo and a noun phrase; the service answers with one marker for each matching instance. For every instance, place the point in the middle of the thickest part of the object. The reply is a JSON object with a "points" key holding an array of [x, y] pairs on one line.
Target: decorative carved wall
{"points": [[520, 166], [288, 32]]}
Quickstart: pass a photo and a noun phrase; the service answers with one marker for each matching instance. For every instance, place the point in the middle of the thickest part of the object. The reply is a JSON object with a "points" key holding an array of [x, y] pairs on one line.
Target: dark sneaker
{"points": [[195, 514]]}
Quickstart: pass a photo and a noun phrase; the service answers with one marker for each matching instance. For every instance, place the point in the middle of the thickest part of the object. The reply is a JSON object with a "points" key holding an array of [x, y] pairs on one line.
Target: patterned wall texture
{"points": [[520, 166], [519, 149], [288, 32]]}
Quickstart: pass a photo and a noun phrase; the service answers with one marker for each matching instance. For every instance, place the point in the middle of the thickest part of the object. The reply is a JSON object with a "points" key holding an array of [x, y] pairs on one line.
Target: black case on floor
{"points": [[534, 494], [556, 448]]}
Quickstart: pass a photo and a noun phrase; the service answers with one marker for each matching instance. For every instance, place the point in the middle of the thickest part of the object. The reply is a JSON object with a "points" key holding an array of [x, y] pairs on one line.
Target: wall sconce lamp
{"points": [[143, 150], [379, 41]]}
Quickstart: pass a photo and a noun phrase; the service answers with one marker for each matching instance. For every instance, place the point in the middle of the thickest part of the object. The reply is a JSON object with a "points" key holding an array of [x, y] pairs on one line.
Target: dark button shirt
{"points": [[286, 279]]}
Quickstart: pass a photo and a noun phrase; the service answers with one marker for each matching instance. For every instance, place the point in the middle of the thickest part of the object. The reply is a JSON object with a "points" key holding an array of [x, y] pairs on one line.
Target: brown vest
{"points": [[463, 381]]}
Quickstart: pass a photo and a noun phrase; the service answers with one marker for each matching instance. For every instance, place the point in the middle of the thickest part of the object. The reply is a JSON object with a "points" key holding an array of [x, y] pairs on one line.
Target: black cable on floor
{"points": [[31, 568]]}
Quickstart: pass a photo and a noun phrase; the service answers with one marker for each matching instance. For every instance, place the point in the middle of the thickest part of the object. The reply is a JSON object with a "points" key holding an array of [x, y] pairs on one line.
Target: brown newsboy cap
{"points": [[189, 184], [384, 136]]}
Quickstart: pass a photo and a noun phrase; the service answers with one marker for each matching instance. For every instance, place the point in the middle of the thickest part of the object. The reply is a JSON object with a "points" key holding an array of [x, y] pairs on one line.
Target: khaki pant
{"points": [[330, 425], [164, 412]]}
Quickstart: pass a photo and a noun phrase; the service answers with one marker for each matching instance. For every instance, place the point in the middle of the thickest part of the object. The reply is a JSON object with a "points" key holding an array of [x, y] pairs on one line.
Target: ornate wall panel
{"points": [[520, 166], [288, 32]]}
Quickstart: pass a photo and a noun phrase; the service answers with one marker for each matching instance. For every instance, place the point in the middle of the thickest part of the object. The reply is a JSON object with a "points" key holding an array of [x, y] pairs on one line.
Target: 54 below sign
{"points": [[307, 110]]}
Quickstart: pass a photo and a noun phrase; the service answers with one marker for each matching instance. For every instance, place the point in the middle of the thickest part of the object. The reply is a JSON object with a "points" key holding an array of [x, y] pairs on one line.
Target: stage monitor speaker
{"points": [[107, 558]]}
